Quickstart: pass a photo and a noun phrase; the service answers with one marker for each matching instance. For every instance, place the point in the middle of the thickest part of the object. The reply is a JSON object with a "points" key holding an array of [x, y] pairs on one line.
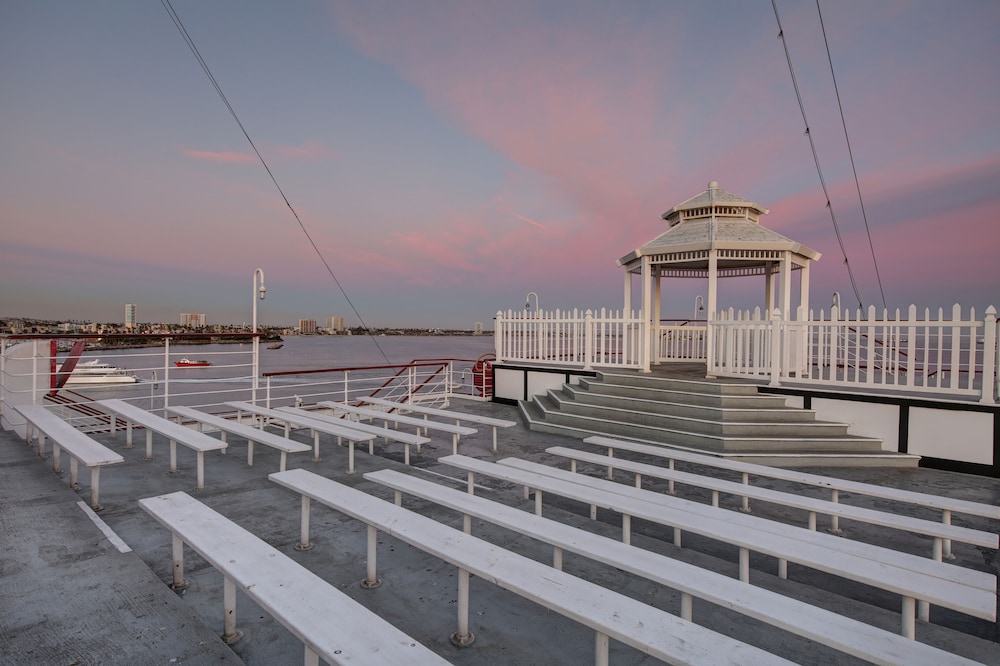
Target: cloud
{"points": [[221, 157], [309, 151]]}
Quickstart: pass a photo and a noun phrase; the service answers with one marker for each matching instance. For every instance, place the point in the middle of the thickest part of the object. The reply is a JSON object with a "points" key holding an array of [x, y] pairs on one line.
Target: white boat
{"points": [[97, 372]]}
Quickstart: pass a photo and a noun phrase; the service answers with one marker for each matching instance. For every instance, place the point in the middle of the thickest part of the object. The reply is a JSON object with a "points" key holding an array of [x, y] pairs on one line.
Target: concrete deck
{"points": [[70, 596]]}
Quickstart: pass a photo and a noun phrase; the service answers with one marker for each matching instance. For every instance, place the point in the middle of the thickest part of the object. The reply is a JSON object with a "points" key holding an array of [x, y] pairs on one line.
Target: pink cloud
{"points": [[222, 157]]}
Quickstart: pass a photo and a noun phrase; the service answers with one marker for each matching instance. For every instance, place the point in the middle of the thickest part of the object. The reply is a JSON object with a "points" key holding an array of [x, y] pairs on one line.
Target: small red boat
{"points": [[191, 363]]}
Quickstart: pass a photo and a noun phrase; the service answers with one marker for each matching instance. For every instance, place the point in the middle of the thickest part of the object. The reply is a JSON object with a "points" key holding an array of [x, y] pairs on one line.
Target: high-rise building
{"points": [[193, 319], [307, 326], [335, 324], [478, 330], [129, 316]]}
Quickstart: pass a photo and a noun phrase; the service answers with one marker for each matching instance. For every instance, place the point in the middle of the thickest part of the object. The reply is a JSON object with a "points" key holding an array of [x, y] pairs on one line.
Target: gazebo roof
{"points": [[719, 221]]}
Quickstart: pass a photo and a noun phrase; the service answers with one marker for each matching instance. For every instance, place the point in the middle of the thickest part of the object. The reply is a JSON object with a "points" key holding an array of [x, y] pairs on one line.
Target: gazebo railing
{"points": [[587, 339], [956, 356]]}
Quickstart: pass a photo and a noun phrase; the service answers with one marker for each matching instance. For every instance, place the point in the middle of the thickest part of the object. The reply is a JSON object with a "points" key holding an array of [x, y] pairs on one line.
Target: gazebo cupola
{"points": [[718, 234]]}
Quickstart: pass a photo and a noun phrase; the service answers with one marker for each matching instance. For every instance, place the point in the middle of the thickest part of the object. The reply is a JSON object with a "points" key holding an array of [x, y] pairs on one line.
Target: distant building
{"points": [[478, 328], [130, 316], [193, 319], [335, 324], [307, 326]]}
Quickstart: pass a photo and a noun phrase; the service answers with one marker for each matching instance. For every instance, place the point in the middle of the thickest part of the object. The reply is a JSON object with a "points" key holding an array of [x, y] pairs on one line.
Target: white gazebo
{"points": [[717, 234]]}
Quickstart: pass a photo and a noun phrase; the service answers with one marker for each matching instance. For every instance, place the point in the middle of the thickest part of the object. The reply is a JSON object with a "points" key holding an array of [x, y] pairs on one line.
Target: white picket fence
{"points": [[918, 353], [608, 339], [921, 352]]}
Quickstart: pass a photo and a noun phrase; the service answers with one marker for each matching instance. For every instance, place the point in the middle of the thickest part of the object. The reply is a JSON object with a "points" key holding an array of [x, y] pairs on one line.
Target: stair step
{"points": [[692, 395]]}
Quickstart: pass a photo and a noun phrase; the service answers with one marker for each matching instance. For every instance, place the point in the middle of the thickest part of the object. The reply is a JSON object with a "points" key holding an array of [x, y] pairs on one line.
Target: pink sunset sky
{"points": [[447, 158]]}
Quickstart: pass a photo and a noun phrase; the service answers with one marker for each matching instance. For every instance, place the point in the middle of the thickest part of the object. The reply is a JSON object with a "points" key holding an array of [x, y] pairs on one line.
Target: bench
{"points": [[404, 438], [850, 636], [341, 432], [252, 435], [913, 578], [176, 433], [80, 447], [938, 531], [947, 505], [444, 413], [331, 625], [610, 614], [360, 412]]}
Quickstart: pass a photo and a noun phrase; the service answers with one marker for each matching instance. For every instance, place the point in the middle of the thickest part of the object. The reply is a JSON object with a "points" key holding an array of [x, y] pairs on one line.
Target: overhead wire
{"points": [[850, 152], [812, 145], [218, 89]]}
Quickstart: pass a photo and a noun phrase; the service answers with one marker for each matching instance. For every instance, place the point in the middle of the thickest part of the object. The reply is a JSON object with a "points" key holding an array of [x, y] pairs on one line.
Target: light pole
{"points": [[527, 301], [256, 341], [699, 306]]}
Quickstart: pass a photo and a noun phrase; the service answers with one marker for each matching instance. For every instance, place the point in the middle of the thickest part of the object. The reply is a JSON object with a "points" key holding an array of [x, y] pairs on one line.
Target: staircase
{"points": [[731, 420]]}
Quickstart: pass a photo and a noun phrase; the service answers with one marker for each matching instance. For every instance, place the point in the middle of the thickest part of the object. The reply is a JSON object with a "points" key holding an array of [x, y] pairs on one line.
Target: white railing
{"points": [[572, 338], [918, 353], [27, 377], [681, 344]]}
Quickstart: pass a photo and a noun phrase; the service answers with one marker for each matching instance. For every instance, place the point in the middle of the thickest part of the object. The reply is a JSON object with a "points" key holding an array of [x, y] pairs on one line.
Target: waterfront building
{"points": [[193, 319], [130, 309], [307, 326], [335, 324], [477, 328]]}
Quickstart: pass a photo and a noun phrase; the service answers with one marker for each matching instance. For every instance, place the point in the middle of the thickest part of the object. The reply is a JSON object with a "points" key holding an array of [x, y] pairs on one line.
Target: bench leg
{"points": [[557, 558], [538, 502], [284, 461], [406, 453], [463, 637], [173, 457], [687, 606], [638, 481], [454, 443], [626, 529], [230, 634], [946, 519], [909, 619], [149, 445], [783, 569], [372, 580], [249, 453], [74, 467], [835, 519], [128, 432], [677, 537], [601, 645], [350, 456], [924, 610], [670, 482], [494, 439], [745, 565], [56, 451], [201, 471], [95, 488], [746, 498], [41, 444], [471, 483], [311, 658], [303, 543], [177, 549], [315, 445]]}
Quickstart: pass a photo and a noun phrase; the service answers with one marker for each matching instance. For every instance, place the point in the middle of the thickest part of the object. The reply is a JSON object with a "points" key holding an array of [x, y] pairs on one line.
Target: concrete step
{"points": [[639, 416], [717, 387], [709, 412], [550, 417], [694, 393]]}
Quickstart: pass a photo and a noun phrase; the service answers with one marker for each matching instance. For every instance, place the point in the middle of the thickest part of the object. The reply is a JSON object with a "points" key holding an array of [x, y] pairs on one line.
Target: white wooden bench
{"points": [[176, 433], [405, 438], [913, 578], [947, 505], [610, 614], [264, 415], [360, 412], [251, 434], [81, 448], [331, 625], [850, 636], [444, 413], [936, 530]]}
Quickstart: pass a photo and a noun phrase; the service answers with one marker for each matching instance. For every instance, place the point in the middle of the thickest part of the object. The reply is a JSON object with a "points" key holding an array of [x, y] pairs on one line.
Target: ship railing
{"points": [[29, 376]]}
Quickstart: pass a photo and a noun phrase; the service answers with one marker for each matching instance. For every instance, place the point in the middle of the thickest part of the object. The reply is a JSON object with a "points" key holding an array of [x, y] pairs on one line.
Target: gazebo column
{"points": [[657, 307], [804, 290], [713, 287], [628, 293], [647, 310], [786, 286], [769, 288]]}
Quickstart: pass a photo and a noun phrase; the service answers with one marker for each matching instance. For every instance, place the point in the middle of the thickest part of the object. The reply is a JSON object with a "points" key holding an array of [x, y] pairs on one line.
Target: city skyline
{"points": [[444, 161]]}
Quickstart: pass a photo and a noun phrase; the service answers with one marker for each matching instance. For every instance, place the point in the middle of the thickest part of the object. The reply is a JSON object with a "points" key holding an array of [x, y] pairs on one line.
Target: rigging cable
{"points": [[857, 183], [812, 145], [204, 65]]}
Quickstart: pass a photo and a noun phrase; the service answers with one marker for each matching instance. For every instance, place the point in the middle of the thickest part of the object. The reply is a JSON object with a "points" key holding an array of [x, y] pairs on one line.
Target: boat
{"points": [[97, 372], [276, 345], [191, 363]]}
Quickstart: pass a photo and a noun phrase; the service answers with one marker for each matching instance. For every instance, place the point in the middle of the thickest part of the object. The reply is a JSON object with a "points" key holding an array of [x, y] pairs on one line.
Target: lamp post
{"points": [[256, 341], [699, 306], [527, 301]]}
